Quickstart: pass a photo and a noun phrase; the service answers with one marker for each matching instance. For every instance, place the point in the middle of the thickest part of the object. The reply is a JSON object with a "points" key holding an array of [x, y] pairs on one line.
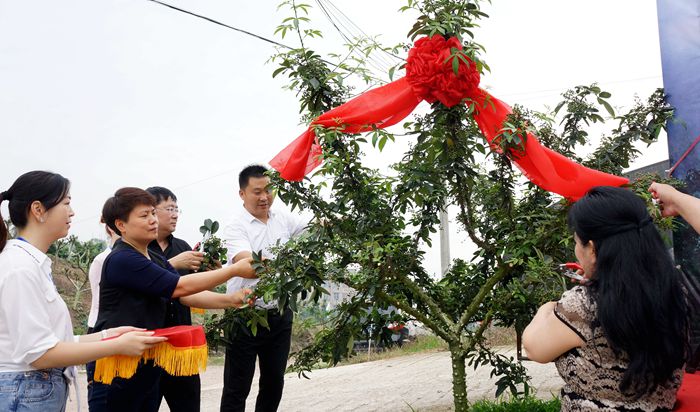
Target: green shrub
{"points": [[517, 405]]}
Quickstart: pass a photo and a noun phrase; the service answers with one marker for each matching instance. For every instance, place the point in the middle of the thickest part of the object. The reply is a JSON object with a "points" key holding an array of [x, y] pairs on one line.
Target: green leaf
{"points": [[382, 142], [278, 71], [262, 319], [609, 108]]}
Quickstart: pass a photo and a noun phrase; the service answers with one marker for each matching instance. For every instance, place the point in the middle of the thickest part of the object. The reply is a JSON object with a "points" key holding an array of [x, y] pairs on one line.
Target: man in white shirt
{"points": [[255, 229]]}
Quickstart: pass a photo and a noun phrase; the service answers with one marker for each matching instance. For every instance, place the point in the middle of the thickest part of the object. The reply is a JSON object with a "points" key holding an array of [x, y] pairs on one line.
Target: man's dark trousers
{"points": [[182, 393], [272, 347]]}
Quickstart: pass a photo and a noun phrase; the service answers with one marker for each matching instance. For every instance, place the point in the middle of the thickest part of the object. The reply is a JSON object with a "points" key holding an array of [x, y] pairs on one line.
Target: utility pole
{"points": [[444, 241]]}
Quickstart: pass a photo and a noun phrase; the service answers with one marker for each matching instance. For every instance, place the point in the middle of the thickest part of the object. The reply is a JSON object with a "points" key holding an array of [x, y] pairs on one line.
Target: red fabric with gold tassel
{"points": [[430, 77], [185, 353]]}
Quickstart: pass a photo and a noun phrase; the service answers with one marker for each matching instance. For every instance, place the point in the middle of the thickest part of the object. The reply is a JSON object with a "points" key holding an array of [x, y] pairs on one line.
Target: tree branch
{"points": [[503, 270], [467, 209], [416, 314], [425, 298], [478, 333]]}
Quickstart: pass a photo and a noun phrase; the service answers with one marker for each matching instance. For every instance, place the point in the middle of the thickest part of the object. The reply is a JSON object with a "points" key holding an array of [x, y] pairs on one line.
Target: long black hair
{"points": [[638, 292], [45, 187]]}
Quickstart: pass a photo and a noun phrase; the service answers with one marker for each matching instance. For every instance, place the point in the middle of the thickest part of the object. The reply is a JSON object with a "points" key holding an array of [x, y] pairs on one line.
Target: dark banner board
{"points": [[679, 35]]}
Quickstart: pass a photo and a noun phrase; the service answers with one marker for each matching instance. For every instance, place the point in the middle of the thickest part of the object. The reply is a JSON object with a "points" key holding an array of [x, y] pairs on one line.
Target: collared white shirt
{"points": [[33, 316], [95, 274], [247, 233]]}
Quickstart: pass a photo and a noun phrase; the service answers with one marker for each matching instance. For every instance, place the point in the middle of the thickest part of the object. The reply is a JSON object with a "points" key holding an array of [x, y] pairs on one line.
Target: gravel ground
{"points": [[419, 382]]}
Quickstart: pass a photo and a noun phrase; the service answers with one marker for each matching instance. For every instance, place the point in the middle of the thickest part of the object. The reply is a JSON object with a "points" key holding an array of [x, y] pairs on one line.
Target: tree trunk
{"points": [[459, 382]]}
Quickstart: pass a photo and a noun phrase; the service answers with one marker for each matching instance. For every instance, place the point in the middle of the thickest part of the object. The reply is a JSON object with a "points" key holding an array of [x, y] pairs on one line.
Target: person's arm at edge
{"points": [[72, 353], [546, 337], [213, 300], [672, 203], [199, 282]]}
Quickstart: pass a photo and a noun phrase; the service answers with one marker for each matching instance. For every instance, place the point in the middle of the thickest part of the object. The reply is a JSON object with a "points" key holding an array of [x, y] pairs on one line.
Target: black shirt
{"points": [[133, 289], [176, 313]]}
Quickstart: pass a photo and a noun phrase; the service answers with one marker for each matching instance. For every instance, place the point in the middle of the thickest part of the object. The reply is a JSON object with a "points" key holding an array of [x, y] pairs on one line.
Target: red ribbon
{"points": [[183, 336], [430, 76]]}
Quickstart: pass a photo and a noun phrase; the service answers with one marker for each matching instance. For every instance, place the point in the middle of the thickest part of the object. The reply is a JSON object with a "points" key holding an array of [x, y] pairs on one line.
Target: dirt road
{"points": [[419, 382]]}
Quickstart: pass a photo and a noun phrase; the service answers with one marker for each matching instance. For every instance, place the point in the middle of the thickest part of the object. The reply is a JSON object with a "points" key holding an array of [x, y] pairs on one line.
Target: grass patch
{"points": [[423, 343], [216, 359], [517, 405], [499, 336]]}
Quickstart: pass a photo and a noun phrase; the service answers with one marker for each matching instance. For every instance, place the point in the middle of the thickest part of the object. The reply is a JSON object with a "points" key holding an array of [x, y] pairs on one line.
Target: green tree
{"points": [[78, 255], [372, 227]]}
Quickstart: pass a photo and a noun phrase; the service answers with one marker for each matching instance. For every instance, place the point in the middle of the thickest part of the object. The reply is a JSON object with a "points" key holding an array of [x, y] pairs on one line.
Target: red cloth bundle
{"points": [[430, 76], [185, 353]]}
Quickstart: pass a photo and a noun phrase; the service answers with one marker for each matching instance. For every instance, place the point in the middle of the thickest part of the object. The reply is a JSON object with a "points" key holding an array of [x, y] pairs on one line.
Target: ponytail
{"points": [[4, 231]]}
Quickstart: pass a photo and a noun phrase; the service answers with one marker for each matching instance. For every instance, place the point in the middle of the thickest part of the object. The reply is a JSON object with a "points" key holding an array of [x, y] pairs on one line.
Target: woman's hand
{"points": [[118, 331], [243, 268], [135, 343]]}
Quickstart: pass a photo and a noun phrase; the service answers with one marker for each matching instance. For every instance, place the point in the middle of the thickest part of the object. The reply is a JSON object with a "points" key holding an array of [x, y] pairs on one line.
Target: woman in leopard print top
{"points": [[619, 341]]}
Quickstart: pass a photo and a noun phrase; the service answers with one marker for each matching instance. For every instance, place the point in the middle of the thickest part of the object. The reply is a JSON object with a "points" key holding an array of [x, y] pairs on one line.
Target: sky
{"points": [[117, 93]]}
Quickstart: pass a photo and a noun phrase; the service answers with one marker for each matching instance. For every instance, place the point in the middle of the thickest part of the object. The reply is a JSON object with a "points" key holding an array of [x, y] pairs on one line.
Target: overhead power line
{"points": [[370, 60], [365, 35], [222, 24], [233, 28]]}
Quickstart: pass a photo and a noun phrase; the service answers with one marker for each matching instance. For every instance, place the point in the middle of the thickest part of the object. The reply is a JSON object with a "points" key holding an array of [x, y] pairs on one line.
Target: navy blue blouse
{"points": [[134, 290]]}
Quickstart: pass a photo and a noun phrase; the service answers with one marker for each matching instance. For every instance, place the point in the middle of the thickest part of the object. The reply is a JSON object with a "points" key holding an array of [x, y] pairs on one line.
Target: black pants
{"points": [[182, 393], [139, 393], [272, 348]]}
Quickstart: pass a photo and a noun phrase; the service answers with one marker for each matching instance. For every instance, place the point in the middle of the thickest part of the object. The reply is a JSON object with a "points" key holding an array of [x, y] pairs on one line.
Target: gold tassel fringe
{"points": [[175, 361], [197, 311]]}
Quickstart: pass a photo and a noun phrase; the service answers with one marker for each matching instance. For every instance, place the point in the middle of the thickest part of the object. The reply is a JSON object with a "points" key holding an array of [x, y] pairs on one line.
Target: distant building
{"points": [[338, 293], [658, 168]]}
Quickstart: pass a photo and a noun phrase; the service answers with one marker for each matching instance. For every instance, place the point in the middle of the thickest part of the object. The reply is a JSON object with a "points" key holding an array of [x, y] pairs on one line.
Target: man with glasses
{"points": [[182, 393]]}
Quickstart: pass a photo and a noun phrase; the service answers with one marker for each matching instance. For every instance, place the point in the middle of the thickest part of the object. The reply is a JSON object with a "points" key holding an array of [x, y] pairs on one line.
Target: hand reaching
{"points": [[243, 268], [666, 197], [242, 297], [189, 260]]}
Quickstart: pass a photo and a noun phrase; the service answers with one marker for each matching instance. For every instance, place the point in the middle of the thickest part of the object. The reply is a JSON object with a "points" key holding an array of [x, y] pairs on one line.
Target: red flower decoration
{"points": [[430, 73]]}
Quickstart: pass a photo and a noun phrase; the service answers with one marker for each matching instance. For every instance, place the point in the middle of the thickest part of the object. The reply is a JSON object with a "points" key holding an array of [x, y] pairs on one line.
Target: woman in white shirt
{"points": [[37, 346]]}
